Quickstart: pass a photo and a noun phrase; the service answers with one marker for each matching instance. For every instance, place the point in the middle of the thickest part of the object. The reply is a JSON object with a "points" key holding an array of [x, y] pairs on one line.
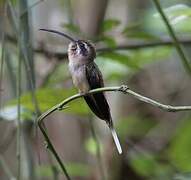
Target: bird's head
{"points": [[81, 49], [77, 49]]}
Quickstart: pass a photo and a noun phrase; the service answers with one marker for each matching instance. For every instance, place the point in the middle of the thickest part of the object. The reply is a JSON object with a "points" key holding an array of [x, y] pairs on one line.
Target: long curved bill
{"points": [[59, 33]]}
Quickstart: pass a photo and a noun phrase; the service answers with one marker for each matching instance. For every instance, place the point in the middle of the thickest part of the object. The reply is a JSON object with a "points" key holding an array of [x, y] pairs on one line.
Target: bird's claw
{"points": [[124, 88], [83, 94], [62, 108]]}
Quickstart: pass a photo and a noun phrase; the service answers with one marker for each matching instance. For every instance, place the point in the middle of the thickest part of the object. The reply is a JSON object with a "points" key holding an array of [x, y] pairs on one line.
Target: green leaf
{"points": [[120, 57], [110, 73], [146, 164], [178, 15], [109, 41], [180, 148], [74, 169], [78, 169], [147, 56], [59, 75], [48, 97], [109, 24], [136, 59], [136, 31], [133, 126], [91, 146], [71, 27]]}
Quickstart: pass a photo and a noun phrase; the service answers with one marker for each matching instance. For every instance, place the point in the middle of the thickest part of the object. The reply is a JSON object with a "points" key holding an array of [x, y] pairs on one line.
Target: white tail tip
{"points": [[116, 140]]}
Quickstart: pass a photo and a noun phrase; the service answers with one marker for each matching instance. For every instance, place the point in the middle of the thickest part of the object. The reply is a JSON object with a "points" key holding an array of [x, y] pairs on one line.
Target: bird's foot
{"points": [[83, 93], [124, 88], [62, 108]]}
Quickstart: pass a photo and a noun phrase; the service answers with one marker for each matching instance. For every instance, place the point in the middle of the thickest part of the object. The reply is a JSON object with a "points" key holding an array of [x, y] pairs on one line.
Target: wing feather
{"points": [[97, 102]]}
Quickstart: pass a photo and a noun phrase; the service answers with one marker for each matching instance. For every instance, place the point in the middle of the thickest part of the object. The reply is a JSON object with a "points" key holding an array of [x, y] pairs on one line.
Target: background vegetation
{"points": [[143, 44]]}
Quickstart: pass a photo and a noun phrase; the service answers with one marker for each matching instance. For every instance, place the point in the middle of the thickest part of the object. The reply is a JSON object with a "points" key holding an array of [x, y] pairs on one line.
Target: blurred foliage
{"points": [[178, 15], [72, 28], [109, 25], [74, 169], [137, 59], [134, 126], [136, 31], [180, 148], [148, 166], [92, 146], [48, 97], [108, 40], [10, 113], [59, 75]]}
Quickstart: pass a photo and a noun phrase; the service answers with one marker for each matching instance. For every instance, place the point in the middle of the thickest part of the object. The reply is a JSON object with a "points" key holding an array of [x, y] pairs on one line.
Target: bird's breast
{"points": [[78, 73]]}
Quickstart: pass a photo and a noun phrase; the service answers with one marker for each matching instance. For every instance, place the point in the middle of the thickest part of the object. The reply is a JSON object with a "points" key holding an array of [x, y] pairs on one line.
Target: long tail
{"points": [[116, 139]]}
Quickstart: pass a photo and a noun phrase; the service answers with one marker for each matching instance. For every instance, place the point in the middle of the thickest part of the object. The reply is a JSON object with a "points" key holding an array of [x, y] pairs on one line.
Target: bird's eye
{"points": [[73, 47]]}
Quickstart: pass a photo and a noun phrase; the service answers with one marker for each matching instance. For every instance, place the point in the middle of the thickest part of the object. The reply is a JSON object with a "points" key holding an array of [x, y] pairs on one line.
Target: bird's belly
{"points": [[79, 78]]}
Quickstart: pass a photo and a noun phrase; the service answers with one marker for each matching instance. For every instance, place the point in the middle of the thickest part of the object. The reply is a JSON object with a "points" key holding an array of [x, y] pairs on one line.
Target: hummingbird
{"points": [[87, 76]]}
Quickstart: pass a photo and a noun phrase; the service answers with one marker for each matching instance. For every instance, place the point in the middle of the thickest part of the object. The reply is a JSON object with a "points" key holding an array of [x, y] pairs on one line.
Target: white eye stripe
{"points": [[86, 46], [78, 49]]}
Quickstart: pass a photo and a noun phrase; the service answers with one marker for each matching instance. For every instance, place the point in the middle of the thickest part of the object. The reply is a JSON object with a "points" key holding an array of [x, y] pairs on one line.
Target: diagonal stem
{"points": [[125, 89], [52, 149], [171, 31]]}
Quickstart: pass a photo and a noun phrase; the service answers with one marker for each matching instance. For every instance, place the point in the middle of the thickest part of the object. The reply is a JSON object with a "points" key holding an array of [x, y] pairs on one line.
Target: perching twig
{"points": [[125, 89], [177, 45]]}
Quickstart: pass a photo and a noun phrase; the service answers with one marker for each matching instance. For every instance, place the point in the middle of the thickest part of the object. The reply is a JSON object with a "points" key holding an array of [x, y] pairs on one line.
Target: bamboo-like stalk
{"points": [[2, 68], [25, 47], [29, 71], [19, 119], [2, 57]]}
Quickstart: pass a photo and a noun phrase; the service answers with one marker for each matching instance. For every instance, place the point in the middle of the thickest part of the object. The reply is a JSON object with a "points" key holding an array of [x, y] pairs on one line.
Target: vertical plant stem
{"points": [[171, 31], [2, 68], [2, 57], [10, 72], [98, 149], [21, 42], [19, 119]]}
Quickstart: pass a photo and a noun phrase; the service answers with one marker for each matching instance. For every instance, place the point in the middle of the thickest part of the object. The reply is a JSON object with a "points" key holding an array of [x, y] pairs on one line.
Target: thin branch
{"points": [[52, 149], [19, 118], [132, 46], [125, 89], [171, 31]]}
